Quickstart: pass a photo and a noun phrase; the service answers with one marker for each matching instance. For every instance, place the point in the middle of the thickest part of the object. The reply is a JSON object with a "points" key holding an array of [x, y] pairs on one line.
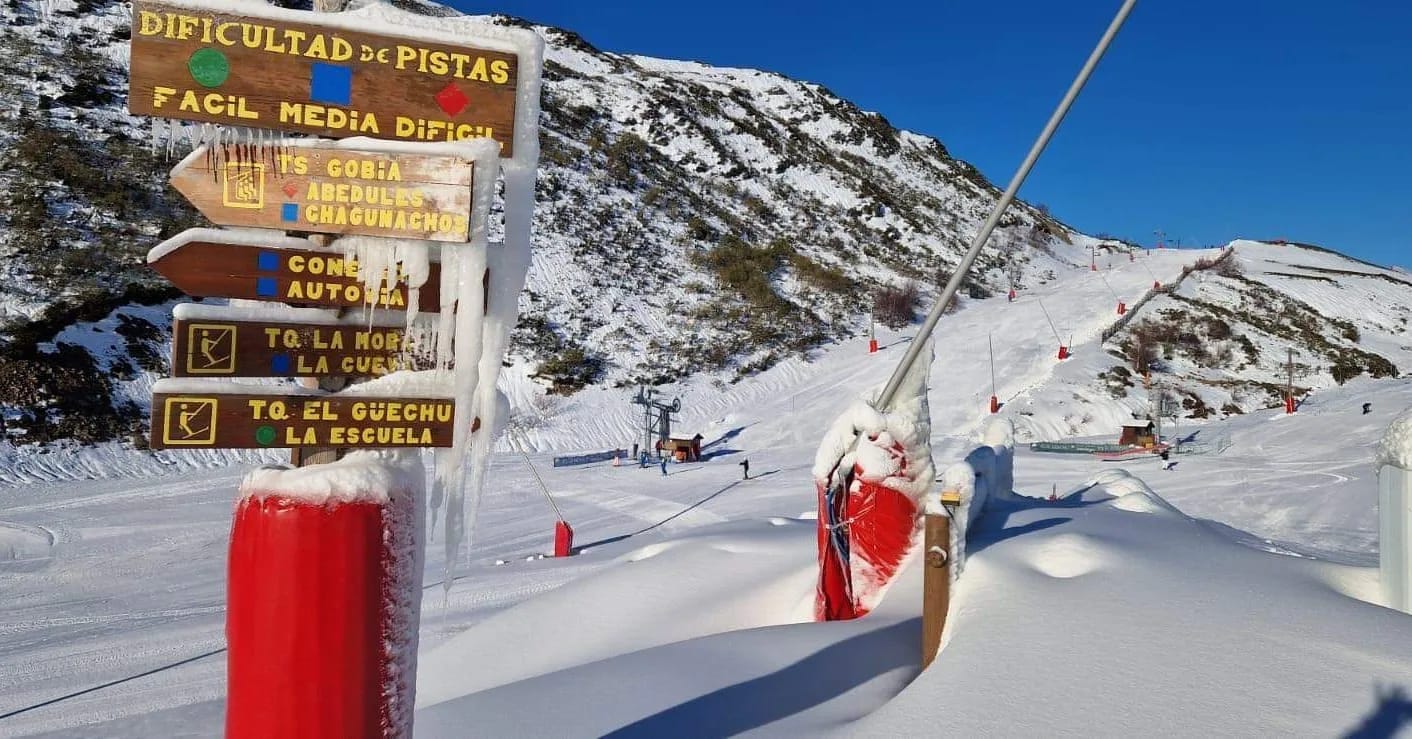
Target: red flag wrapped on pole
{"points": [[871, 471], [874, 464]]}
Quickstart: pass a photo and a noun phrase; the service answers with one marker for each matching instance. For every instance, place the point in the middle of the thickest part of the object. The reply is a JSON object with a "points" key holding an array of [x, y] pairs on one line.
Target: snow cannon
{"points": [[1063, 352], [563, 538], [994, 404], [872, 346], [870, 474], [323, 602], [1122, 307]]}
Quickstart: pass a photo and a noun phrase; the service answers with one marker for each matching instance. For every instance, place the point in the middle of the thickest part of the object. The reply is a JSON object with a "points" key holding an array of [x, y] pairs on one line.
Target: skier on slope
{"points": [[745, 465]]}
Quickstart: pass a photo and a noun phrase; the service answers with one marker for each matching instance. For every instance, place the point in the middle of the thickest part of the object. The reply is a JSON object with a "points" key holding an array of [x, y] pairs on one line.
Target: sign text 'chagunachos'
{"points": [[326, 190]]}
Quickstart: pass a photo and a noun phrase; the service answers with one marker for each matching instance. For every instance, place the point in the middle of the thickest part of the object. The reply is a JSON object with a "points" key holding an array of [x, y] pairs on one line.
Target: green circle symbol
{"points": [[265, 435], [208, 67]]}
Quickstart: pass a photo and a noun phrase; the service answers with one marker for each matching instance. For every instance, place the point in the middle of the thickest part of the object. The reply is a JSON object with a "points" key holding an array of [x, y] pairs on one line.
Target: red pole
{"points": [[314, 620], [563, 539]]}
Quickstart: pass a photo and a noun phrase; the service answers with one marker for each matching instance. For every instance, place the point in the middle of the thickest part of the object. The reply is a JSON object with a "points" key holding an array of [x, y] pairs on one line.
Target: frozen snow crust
{"points": [[1110, 580], [1395, 449], [364, 476]]}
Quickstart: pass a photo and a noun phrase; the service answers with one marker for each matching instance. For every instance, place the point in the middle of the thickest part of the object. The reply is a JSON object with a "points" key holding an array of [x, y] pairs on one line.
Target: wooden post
{"points": [[936, 584], [301, 457], [305, 456]]}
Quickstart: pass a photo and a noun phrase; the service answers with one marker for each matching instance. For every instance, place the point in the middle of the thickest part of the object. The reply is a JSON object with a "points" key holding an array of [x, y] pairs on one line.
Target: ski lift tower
{"points": [[656, 416]]}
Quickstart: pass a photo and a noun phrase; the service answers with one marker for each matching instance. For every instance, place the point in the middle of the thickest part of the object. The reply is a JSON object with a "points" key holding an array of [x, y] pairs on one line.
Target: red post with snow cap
{"points": [[320, 626], [563, 539]]}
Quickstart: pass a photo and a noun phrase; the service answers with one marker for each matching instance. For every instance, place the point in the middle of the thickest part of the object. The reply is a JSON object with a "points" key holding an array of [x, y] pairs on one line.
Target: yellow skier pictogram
{"points": [[189, 421], [210, 349]]}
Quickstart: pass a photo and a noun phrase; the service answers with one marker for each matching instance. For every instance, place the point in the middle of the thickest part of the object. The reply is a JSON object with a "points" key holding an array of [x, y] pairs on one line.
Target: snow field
{"points": [[705, 570]]}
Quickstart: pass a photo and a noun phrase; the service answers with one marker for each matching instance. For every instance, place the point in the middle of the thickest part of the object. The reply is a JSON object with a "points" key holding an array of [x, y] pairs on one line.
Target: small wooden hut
{"points": [[683, 450], [1138, 433]]}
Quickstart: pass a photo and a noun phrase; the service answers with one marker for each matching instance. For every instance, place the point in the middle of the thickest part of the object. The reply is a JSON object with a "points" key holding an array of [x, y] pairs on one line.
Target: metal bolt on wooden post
{"points": [[936, 584]]}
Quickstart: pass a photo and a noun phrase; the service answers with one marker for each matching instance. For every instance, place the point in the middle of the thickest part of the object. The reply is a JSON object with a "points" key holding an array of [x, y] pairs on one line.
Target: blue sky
{"points": [[1208, 119]]}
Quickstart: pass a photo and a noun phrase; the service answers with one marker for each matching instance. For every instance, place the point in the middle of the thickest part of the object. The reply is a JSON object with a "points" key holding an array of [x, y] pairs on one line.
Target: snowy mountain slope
{"points": [[691, 219], [1222, 340], [155, 549]]}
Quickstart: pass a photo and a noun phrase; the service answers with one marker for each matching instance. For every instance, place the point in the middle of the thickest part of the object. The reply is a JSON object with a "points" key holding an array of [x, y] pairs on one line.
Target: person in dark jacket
{"points": [[664, 466], [745, 465]]}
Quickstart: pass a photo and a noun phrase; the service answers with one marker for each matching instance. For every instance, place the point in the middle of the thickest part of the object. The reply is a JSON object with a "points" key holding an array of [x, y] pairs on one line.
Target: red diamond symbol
{"points": [[451, 99], [289, 189]]}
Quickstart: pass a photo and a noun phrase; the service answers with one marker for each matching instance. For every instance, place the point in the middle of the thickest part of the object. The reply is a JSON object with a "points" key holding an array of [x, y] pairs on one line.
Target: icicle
{"points": [[469, 269], [155, 135]]}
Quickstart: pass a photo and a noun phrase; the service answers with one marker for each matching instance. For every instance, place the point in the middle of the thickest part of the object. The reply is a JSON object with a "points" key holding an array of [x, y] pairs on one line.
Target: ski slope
{"points": [[1082, 613]]}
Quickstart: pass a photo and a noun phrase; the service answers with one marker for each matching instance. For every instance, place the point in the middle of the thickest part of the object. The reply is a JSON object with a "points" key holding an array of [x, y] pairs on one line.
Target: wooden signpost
{"points": [[230, 348], [315, 73], [217, 266], [311, 186], [258, 67], [220, 420]]}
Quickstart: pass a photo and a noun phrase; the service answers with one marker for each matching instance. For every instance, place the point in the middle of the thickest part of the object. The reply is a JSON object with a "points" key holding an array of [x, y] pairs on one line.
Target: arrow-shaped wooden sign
{"points": [[222, 420], [218, 341], [323, 187], [209, 263]]}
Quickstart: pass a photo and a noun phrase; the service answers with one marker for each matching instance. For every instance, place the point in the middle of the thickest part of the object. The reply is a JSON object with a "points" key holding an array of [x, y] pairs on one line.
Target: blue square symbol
{"points": [[289, 212], [330, 83], [268, 261], [266, 286], [280, 364]]}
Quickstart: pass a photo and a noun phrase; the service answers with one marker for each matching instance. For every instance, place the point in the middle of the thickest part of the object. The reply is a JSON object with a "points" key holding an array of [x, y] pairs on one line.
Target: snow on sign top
{"points": [[253, 65], [1395, 448]]}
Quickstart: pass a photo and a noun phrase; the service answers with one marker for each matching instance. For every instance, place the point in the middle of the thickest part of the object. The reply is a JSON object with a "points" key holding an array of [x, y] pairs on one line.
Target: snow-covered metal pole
{"points": [[1395, 514], [954, 284]]}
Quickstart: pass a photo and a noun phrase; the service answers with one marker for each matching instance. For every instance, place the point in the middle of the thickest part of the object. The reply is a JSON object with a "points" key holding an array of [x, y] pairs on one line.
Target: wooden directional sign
{"points": [[220, 348], [330, 190], [311, 73], [215, 269], [221, 421]]}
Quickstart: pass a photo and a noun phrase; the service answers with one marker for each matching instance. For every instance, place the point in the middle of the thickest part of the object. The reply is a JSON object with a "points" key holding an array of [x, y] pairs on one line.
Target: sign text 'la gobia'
{"points": [[315, 187]]}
